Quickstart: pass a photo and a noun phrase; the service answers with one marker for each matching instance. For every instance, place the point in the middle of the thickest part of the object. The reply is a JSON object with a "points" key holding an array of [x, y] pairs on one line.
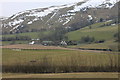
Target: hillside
{"points": [[99, 30], [103, 31], [70, 16], [91, 23], [103, 36]]}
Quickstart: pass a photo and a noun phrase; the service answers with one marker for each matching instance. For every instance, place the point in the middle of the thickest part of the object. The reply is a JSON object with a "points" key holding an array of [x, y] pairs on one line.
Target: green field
{"points": [[32, 35], [99, 33], [107, 45], [14, 42], [15, 60], [105, 33]]}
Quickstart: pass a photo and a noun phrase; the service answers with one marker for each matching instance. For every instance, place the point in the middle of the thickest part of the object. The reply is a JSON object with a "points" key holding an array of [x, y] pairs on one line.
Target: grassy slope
{"points": [[17, 42], [99, 33], [32, 35]]}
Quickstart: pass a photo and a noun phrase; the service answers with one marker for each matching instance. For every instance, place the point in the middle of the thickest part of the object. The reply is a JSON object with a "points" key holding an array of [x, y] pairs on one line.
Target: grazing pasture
{"points": [[99, 33], [19, 59], [26, 46]]}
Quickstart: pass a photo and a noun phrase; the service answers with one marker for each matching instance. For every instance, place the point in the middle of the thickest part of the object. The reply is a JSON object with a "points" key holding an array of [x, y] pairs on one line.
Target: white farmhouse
{"points": [[63, 43], [33, 42]]}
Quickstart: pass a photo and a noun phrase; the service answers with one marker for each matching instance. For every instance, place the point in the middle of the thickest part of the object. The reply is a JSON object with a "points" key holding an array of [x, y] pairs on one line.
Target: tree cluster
{"points": [[16, 38], [87, 39]]}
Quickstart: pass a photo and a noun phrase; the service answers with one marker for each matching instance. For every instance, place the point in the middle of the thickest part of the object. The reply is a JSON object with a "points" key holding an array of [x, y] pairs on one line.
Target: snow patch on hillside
{"points": [[15, 22], [90, 17], [52, 16], [20, 13], [14, 28], [68, 19], [30, 22]]}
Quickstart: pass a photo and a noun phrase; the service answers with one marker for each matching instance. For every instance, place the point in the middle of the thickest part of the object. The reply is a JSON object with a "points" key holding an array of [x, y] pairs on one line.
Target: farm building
{"points": [[33, 42], [63, 43], [47, 43]]}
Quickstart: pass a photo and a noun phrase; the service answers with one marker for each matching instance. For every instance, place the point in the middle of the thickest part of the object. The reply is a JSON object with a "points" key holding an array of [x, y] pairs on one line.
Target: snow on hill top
{"points": [[40, 12], [95, 4], [86, 4]]}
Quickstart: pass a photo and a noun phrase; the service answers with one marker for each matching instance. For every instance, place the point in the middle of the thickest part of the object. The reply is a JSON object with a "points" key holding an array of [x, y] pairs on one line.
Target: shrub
{"points": [[87, 39]]}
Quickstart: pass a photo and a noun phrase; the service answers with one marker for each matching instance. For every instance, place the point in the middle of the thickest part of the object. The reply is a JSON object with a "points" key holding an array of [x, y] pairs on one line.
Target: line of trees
{"points": [[16, 38], [56, 35]]}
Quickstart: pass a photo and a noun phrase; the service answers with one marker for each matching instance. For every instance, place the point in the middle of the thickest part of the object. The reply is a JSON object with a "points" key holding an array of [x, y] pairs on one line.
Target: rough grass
{"points": [[14, 42], [99, 33], [58, 61], [106, 45], [32, 35]]}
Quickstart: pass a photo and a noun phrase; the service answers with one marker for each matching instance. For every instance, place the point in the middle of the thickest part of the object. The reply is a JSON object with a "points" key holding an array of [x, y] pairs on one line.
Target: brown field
{"points": [[64, 75]]}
